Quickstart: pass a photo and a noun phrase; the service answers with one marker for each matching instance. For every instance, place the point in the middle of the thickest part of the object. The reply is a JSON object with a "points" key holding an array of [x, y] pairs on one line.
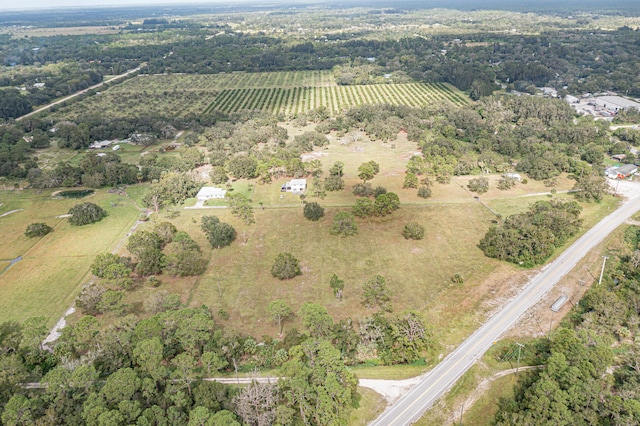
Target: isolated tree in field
{"points": [[241, 207], [344, 224], [410, 181], [478, 185], [506, 183], [413, 231], [313, 211], [368, 170], [317, 188], [37, 230], [386, 204], [334, 181], [280, 312], [376, 293], [218, 233], [285, 266], [86, 213], [424, 192], [337, 169], [337, 285]]}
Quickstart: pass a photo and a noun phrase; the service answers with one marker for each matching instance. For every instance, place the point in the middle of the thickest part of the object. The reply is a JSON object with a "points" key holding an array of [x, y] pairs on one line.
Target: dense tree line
{"points": [[150, 370], [584, 381], [529, 238]]}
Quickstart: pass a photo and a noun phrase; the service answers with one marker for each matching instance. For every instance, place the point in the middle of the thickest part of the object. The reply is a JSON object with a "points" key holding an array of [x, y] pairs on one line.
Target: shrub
{"points": [[479, 185], [506, 183], [285, 266], [344, 224], [218, 233], [457, 279], [313, 211], [363, 190], [85, 214], [424, 192], [413, 230], [379, 190], [334, 183], [37, 230]]}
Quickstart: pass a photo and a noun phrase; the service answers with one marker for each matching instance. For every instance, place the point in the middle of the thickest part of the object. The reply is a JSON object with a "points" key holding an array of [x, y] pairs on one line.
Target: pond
{"points": [[76, 193]]}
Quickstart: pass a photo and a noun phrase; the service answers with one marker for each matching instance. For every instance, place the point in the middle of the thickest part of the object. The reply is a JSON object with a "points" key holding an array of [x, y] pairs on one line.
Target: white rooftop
{"points": [[618, 101], [210, 190]]}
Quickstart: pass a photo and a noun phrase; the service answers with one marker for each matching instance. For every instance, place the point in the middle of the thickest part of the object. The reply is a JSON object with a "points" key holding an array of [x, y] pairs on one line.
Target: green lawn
{"points": [[53, 268], [371, 405]]}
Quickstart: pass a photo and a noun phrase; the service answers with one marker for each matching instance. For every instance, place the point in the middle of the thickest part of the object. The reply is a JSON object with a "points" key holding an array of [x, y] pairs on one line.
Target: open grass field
{"points": [[286, 93], [47, 279], [238, 279]]}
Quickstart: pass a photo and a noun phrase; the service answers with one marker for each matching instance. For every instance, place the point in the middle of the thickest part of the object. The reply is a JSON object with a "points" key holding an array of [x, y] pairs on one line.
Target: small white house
{"points": [[295, 185], [209, 192], [100, 144], [514, 176]]}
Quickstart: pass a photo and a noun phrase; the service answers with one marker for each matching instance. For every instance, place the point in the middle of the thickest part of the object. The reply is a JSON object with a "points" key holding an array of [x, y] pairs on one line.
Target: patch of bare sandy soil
{"points": [[312, 155]]}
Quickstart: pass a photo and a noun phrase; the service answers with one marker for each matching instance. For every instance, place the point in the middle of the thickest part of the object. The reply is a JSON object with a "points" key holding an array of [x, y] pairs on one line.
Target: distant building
{"points": [[616, 103], [571, 99], [621, 172], [514, 176], [618, 157], [100, 144], [209, 192], [39, 85], [295, 185]]}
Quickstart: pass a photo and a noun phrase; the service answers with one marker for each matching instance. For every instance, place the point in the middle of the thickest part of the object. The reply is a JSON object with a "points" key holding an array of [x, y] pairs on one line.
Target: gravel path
{"points": [[10, 212]]}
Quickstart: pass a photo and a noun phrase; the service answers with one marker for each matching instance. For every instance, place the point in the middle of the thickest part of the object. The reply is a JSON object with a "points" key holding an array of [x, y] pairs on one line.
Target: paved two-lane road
{"points": [[414, 403]]}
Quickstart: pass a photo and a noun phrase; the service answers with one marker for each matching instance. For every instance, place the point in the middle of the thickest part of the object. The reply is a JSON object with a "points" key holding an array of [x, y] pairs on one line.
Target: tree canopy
{"points": [[86, 213]]}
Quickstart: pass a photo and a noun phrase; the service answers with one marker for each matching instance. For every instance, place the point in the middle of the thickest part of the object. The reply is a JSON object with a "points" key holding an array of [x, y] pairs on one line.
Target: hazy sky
{"points": [[52, 4]]}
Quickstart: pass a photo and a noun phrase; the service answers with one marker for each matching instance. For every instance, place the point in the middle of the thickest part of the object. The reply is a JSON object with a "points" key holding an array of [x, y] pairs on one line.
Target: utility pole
{"points": [[520, 346], [604, 261]]}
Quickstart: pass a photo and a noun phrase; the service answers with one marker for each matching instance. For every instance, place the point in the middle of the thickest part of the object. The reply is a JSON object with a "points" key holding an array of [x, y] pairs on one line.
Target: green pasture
{"points": [[47, 279], [371, 406], [483, 411], [238, 278]]}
